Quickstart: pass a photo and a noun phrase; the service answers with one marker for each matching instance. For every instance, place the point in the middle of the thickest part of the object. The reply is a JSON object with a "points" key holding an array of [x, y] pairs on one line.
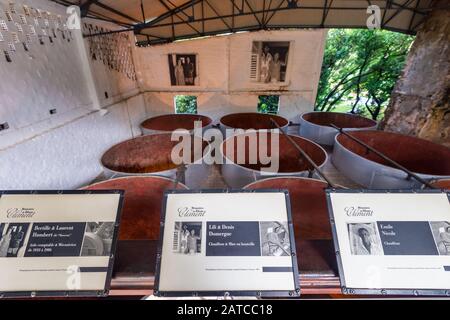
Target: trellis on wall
{"points": [[22, 27], [113, 50]]}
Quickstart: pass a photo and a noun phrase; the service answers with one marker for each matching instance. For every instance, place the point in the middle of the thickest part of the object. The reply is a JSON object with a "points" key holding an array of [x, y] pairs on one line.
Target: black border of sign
{"points": [[73, 293], [383, 291], [258, 294]]}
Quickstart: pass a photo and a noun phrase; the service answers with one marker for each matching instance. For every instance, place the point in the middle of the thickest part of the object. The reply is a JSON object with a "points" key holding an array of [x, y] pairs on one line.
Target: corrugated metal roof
{"points": [[160, 21]]}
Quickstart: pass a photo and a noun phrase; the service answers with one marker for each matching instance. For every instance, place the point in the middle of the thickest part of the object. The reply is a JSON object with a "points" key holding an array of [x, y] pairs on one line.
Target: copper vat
{"points": [[316, 126], [251, 120], [291, 162], [428, 160], [141, 211], [151, 155], [171, 122]]}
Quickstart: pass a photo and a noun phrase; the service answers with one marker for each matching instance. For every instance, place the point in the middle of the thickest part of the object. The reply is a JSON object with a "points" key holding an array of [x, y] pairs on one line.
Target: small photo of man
{"points": [[364, 239]]}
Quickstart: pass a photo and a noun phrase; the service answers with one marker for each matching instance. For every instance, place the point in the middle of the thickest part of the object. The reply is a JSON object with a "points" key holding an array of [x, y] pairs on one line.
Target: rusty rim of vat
{"points": [[308, 204], [141, 212], [171, 122], [252, 120], [342, 120], [149, 154], [415, 154], [442, 184], [290, 161]]}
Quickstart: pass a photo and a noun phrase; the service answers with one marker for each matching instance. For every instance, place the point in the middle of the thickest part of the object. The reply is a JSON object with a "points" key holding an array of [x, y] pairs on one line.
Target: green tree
{"points": [[359, 70], [268, 104], [186, 104]]}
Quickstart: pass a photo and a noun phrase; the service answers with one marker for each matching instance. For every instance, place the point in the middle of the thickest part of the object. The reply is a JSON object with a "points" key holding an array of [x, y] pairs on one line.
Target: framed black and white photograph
{"points": [[235, 243], [269, 61], [274, 238], [183, 69], [391, 242], [12, 238], [364, 239], [98, 238], [441, 235], [187, 238]]}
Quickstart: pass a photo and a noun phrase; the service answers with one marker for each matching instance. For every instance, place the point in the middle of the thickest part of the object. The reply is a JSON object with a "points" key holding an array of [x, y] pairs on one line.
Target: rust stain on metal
{"points": [[442, 184]]}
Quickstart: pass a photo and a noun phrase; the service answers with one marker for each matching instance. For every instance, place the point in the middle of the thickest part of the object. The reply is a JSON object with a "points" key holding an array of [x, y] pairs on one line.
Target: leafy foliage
{"points": [[186, 104], [359, 70], [268, 104]]}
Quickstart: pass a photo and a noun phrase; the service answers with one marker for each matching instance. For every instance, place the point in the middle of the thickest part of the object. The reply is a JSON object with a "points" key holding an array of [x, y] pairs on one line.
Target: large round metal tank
{"points": [[442, 184], [251, 120], [151, 155], [308, 204], [291, 162], [170, 122], [426, 159], [141, 212], [316, 126]]}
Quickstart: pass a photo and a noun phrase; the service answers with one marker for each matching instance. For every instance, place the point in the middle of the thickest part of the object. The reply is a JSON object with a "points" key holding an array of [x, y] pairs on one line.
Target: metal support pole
{"points": [[304, 154]]}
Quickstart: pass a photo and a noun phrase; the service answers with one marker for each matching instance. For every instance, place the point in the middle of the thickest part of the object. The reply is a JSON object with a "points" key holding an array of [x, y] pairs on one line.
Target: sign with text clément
{"points": [[57, 243], [214, 243], [392, 243]]}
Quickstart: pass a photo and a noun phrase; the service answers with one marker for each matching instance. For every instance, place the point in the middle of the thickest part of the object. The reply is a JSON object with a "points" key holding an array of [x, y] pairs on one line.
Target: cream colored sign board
{"points": [[392, 241], [56, 242], [227, 242]]}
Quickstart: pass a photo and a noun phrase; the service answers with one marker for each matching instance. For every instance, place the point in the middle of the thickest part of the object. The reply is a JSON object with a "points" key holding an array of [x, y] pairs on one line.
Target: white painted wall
{"points": [[61, 151], [224, 64]]}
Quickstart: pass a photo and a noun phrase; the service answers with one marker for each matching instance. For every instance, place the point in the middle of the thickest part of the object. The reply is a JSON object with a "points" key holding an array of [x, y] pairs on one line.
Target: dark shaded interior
{"points": [[417, 155], [257, 121], [171, 122], [308, 205], [141, 211], [146, 154], [342, 120], [290, 159]]}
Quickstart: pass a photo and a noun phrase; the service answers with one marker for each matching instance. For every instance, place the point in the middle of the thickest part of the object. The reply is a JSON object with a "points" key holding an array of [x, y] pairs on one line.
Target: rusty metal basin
{"points": [[291, 162], [151, 155], [316, 126], [428, 160], [442, 184], [308, 204], [141, 211], [251, 120], [171, 122]]}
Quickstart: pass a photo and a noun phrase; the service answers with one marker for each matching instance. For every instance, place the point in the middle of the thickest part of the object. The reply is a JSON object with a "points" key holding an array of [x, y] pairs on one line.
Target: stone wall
{"points": [[419, 103]]}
